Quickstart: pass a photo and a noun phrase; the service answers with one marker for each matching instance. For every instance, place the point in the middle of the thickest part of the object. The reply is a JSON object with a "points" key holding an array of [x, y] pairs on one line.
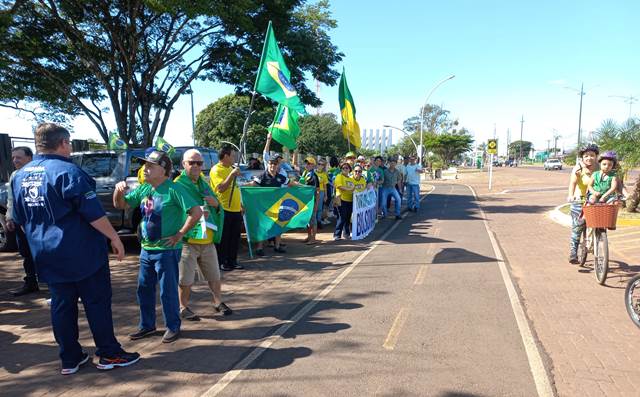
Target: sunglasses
{"points": [[358, 171], [198, 163]]}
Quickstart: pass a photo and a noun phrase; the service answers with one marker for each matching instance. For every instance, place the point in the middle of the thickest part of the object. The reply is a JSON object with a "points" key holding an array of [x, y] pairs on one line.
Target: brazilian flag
{"points": [[284, 128], [273, 75], [350, 127], [115, 143], [164, 146], [271, 211]]}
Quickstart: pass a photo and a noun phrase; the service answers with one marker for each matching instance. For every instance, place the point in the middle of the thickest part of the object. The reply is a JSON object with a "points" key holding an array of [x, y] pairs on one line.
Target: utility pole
{"points": [[548, 146], [581, 93], [508, 143], [627, 99], [521, 128]]}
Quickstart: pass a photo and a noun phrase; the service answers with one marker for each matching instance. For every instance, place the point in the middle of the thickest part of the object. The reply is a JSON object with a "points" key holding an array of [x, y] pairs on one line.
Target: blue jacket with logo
{"points": [[55, 202]]}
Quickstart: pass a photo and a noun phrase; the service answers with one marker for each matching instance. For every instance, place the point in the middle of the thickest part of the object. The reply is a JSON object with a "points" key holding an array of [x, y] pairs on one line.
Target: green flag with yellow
{"points": [[284, 128], [164, 146], [271, 211], [115, 143], [273, 75], [350, 127]]}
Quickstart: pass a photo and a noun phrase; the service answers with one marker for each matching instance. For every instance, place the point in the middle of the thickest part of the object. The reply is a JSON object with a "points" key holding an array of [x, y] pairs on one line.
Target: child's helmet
{"points": [[609, 155]]}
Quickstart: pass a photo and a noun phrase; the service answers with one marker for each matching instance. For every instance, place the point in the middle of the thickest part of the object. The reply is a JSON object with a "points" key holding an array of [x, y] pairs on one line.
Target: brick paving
{"points": [[592, 347], [263, 297]]}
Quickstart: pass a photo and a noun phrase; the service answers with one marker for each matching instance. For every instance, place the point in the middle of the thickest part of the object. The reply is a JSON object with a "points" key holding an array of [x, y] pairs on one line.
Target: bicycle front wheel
{"points": [[601, 256], [632, 299]]}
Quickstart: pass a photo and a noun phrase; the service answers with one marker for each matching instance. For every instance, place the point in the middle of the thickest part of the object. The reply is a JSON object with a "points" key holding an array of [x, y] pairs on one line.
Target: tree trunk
{"points": [[634, 199]]}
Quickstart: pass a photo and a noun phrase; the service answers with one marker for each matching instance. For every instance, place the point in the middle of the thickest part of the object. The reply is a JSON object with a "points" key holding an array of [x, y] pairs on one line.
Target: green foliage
{"points": [[223, 121], [514, 149], [448, 146], [136, 58], [321, 135]]}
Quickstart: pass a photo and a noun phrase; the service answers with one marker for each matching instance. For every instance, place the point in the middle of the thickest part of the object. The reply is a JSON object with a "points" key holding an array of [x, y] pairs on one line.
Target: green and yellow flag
{"points": [[350, 127], [271, 211], [284, 128], [115, 143], [164, 146], [273, 75]]}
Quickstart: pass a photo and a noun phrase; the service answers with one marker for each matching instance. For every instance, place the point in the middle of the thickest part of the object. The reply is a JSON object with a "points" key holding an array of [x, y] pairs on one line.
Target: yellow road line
{"points": [[422, 273], [394, 332]]}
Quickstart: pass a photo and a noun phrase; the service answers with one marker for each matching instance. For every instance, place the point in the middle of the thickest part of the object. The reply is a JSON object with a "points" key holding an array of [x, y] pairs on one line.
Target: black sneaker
{"points": [[188, 315], [142, 333], [280, 250], [170, 336], [398, 217], [260, 252], [26, 289], [573, 259], [73, 370], [122, 359], [237, 266], [226, 267], [222, 307]]}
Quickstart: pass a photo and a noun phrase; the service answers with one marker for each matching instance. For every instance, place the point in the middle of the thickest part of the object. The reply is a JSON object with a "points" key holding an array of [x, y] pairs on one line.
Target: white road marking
{"points": [[217, 388], [540, 376]]}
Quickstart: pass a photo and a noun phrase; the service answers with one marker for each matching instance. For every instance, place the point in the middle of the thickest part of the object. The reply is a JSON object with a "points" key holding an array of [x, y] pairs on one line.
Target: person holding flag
{"points": [[309, 178]]}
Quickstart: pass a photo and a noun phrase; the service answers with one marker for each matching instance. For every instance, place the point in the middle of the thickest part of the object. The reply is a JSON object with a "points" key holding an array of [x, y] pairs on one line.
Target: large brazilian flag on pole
{"points": [[271, 211], [284, 128], [350, 127], [273, 75]]}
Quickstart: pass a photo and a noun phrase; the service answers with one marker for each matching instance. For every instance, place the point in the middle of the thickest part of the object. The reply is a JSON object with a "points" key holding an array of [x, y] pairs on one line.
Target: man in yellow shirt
{"points": [[222, 179], [323, 177], [199, 250], [344, 186]]}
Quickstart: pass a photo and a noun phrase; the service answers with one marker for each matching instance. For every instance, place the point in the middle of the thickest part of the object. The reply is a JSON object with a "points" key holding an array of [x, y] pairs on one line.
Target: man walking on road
{"points": [[168, 214], [412, 173], [222, 180], [391, 179], [20, 156], [199, 250], [56, 204]]}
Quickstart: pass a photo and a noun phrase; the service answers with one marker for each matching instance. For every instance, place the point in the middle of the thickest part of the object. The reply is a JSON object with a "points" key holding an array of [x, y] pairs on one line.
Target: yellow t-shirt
{"points": [[360, 184], [342, 180], [323, 178], [217, 175], [583, 180]]}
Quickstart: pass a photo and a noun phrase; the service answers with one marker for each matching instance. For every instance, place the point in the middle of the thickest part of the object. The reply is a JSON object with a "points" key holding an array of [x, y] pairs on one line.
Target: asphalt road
{"points": [[425, 313]]}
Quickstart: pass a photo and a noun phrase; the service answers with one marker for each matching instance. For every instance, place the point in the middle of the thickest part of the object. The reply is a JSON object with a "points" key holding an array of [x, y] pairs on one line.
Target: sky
{"points": [[511, 60]]}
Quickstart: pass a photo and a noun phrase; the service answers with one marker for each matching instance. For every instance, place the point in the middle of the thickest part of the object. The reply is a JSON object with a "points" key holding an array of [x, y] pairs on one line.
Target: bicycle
{"points": [[632, 299], [594, 239]]}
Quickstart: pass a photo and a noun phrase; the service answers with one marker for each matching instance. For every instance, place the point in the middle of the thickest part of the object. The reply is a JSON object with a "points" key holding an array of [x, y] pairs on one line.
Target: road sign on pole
{"points": [[492, 146]]}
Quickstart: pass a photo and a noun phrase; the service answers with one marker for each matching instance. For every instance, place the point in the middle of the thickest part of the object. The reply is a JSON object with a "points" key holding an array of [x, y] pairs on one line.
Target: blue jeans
{"points": [[393, 192], [381, 204], [159, 266], [413, 198], [343, 224], [95, 292], [320, 207]]}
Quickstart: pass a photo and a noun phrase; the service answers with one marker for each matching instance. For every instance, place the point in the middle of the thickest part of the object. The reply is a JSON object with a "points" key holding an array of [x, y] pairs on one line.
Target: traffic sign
{"points": [[492, 146]]}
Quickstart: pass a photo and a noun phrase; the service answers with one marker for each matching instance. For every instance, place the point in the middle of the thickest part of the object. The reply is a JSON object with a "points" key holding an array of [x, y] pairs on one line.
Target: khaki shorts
{"points": [[202, 255]]}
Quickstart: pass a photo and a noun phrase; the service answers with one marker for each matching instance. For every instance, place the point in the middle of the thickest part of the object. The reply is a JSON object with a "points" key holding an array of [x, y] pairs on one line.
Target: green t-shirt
{"points": [[377, 175], [602, 181], [164, 211]]}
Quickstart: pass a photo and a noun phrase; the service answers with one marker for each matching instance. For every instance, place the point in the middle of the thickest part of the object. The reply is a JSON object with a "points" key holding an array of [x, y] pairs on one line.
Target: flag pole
{"points": [[245, 128], [244, 219]]}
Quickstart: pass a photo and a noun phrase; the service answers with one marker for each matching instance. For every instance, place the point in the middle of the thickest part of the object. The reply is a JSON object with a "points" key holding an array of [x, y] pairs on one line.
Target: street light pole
{"points": [[580, 116], [426, 102], [405, 134], [521, 128], [193, 118]]}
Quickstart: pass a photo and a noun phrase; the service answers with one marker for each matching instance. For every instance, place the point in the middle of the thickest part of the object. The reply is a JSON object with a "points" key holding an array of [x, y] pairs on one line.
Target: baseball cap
{"points": [[310, 160], [350, 154], [159, 158], [276, 156], [362, 158]]}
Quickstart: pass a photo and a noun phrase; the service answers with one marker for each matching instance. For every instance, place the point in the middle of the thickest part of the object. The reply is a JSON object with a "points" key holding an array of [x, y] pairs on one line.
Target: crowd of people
{"points": [[189, 225]]}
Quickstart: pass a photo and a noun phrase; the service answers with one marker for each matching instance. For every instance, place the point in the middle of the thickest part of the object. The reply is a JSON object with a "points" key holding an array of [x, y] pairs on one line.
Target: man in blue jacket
{"points": [[56, 205]]}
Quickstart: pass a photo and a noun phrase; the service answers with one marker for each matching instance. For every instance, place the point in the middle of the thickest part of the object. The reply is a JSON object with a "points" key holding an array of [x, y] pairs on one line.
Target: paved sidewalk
{"points": [[263, 296], [592, 346]]}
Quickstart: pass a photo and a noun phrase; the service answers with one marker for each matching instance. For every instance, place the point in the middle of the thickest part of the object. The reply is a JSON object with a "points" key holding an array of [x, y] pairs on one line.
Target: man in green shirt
{"points": [[168, 213]]}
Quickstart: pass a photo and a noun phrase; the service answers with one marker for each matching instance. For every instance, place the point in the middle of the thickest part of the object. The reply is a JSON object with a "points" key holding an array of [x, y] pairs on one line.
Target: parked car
{"points": [[553, 164]]}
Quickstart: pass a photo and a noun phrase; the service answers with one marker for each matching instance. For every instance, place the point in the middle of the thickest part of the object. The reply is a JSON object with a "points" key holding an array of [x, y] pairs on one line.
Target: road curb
{"points": [[560, 217]]}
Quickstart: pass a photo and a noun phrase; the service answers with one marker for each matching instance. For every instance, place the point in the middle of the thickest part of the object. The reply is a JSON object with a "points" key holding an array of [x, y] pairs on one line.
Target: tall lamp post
{"points": [[581, 93], [426, 102], [405, 134]]}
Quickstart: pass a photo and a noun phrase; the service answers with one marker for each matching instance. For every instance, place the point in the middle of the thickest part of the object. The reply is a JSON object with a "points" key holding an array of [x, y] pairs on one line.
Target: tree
{"points": [[436, 119], [625, 140], [135, 58], [449, 146], [223, 121], [514, 149], [321, 135]]}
